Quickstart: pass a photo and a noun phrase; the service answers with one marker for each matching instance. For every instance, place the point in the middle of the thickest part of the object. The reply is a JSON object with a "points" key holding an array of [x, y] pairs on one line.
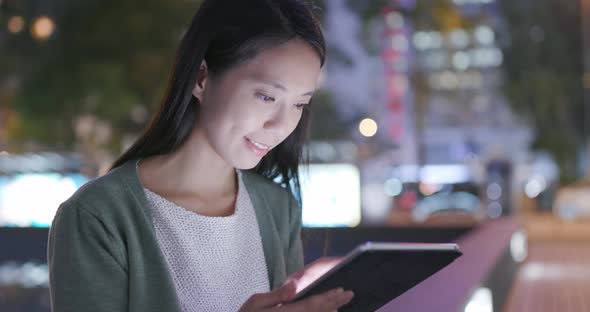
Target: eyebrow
{"points": [[280, 86]]}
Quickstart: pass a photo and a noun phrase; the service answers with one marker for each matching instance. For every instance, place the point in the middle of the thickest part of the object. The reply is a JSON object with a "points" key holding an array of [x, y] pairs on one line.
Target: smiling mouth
{"points": [[258, 144], [258, 148]]}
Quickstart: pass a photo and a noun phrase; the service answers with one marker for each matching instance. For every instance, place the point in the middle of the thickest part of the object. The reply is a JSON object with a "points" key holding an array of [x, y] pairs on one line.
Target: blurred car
{"points": [[450, 203], [573, 201], [423, 201]]}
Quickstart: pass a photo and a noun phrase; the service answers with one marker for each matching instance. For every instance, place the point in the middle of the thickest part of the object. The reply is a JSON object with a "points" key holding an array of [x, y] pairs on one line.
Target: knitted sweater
{"points": [[103, 254], [216, 263]]}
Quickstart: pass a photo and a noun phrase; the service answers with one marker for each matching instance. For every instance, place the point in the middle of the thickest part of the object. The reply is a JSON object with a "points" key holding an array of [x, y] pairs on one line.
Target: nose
{"points": [[277, 120]]}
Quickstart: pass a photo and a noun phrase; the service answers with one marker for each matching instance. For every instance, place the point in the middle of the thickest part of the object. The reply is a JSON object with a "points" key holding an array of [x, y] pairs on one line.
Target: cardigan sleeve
{"points": [[86, 269], [294, 257]]}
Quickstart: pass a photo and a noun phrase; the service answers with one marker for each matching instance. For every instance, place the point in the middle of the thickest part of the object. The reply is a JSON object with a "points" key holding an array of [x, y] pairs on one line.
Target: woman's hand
{"points": [[313, 271], [275, 300]]}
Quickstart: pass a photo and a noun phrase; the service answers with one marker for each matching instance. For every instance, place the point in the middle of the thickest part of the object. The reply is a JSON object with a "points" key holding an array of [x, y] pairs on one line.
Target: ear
{"points": [[199, 88]]}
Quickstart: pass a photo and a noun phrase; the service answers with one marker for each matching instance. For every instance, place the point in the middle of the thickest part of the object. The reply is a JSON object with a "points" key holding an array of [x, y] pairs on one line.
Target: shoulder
{"points": [[103, 196]]}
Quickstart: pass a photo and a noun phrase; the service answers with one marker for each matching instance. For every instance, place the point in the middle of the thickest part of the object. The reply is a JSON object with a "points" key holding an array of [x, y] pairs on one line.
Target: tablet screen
{"points": [[379, 272]]}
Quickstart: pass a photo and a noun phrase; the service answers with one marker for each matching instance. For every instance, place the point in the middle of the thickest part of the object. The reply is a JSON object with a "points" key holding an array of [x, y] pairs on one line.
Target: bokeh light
{"points": [[368, 127], [16, 24], [42, 28]]}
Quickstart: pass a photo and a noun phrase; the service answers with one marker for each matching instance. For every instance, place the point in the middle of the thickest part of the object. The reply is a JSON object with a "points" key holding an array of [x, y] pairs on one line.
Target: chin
{"points": [[246, 164]]}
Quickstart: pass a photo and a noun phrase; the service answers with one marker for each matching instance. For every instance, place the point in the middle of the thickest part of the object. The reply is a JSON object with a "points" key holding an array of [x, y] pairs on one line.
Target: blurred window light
{"points": [[399, 42], [496, 57], [393, 187], [368, 127], [461, 60], [494, 210], [459, 38], [330, 195], [16, 24], [433, 174], [436, 39], [424, 40], [494, 191], [407, 173], [444, 174], [484, 35], [448, 80], [535, 186], [19, 209], [421, 40], [43, 28], [394, 20], [518, 246], [27, 275], [480, 301], [486, 57]]}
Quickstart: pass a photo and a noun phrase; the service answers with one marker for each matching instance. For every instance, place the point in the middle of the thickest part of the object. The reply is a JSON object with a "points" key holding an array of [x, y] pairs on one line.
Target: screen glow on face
{"points": [[331, 195]]}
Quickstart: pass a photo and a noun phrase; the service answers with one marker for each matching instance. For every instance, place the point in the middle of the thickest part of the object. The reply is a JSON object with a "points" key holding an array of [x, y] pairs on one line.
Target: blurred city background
{"points": [[436, 121]]}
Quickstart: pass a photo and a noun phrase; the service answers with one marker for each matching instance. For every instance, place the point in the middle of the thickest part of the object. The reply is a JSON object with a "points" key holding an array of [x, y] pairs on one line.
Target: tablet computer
{"points": [[379, 272]]}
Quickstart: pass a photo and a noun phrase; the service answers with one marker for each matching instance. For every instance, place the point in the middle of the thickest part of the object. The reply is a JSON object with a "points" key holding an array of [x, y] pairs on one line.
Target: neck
{"points": [[195, 169]]}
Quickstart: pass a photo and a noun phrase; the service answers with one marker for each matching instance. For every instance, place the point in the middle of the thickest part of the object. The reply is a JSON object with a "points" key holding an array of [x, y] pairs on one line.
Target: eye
{"points": [[300, 105], [265, 97]]}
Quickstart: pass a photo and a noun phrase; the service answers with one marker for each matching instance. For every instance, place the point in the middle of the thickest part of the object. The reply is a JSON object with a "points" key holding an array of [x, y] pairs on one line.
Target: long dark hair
{"points": [[225, 33]]}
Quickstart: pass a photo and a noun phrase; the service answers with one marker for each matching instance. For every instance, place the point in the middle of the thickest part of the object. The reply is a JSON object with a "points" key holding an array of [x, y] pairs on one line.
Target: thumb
{"points": [[286, 292], [295, 276]]}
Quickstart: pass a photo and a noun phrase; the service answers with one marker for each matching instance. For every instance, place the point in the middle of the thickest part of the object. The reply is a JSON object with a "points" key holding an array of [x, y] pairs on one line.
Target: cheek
{"points": [[291, 123], [218, 111]]}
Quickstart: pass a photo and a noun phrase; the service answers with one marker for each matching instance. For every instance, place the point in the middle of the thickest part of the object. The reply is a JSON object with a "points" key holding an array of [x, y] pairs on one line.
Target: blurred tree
{"points": [[106, 65], [543, 67]]}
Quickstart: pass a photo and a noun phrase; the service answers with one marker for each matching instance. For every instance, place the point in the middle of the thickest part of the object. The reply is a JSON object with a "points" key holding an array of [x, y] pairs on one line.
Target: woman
{"points": [[189, 218]]}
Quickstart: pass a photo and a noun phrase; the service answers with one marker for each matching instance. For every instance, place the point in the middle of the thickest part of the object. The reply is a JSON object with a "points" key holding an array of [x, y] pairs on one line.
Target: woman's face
{"points": [[256, 105]]}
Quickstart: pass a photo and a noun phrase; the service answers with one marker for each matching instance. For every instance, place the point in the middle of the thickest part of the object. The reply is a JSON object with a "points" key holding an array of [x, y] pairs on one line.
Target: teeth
{"points": [[259, 145]]}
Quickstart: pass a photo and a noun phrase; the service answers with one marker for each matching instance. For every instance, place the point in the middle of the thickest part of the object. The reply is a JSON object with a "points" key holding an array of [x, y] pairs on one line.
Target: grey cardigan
{"points": [[103, 254]]}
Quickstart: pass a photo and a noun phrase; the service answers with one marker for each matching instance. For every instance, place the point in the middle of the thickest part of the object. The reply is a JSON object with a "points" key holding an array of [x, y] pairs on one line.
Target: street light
{"points": [[16, 24], [368, 127], [42, 28]]}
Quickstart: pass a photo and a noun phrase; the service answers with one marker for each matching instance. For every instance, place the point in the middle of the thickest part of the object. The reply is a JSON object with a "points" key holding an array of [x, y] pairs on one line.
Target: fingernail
{"points": [[290, 289], [291, 284]]}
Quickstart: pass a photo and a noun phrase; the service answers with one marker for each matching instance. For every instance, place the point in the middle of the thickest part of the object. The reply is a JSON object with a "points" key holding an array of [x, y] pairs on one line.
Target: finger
{"points": [[295, 276], [273, 298], [334, 300], [327, 301]]}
